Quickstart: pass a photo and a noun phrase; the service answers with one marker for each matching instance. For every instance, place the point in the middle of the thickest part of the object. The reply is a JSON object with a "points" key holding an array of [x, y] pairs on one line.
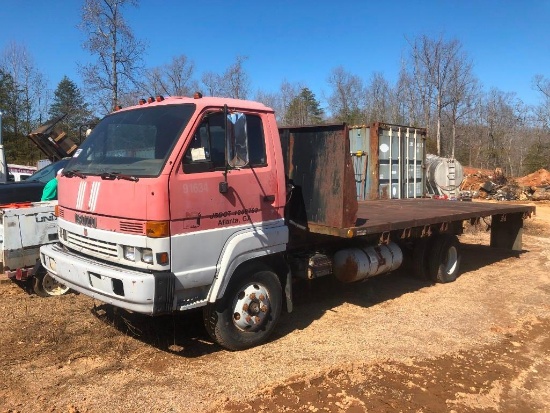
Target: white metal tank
{"points": [[443, 176]]}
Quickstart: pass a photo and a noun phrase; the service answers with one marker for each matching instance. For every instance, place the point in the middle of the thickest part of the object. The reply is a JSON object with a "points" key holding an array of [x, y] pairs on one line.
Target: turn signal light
{"points": [[162, 258], [157, 229]]}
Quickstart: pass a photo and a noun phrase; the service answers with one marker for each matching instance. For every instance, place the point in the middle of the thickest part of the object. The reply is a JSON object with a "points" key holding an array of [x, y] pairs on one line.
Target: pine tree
{"points": [[304, 109], [68, 100]]}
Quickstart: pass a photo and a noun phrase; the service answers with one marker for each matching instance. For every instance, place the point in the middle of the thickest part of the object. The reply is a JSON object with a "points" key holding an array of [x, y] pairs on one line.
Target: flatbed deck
{"points": [[376, 217]]}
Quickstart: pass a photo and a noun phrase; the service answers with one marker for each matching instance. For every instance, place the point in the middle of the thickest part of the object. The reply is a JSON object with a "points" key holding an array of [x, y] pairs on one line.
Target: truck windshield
{"points": [[135, 142]]}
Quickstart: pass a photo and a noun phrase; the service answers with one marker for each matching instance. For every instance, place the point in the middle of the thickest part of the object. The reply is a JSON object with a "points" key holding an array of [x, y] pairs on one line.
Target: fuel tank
{"points": [[355, 264]]}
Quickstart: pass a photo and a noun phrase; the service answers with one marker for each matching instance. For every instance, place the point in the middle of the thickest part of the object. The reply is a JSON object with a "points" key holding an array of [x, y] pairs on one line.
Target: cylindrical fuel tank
{"points": [[443, 175], [354, 264]]}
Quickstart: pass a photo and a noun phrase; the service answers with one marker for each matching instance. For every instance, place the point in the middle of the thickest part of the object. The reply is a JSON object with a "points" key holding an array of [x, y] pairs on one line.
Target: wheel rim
{"points": [[52, 287], [251, 307], [451, 261]]}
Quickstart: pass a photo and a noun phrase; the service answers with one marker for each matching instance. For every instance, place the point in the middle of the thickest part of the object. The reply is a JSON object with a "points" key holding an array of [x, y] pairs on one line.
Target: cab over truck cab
{"points": [[185, 203], [176, 205]]}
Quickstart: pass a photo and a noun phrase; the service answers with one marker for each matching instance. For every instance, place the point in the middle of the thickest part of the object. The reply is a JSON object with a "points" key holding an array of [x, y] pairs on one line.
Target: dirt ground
{"points": [[390, 344]]}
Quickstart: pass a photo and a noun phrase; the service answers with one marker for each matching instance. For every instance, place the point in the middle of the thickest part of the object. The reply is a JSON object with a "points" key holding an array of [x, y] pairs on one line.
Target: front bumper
{"points": [[142, 292]]}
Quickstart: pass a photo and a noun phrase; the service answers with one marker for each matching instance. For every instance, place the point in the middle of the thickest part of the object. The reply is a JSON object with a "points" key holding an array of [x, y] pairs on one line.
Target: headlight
{"points": [[147, 255], [129, 253]]}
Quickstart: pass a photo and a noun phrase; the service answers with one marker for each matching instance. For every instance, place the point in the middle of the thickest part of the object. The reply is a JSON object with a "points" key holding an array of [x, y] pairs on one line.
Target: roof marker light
{"points": [[160, 98], [142, 101], [197, 95], [150, 99]]}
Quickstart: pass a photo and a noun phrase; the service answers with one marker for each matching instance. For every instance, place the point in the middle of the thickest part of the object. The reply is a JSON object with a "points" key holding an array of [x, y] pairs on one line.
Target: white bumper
{"points": [[141, 292]]}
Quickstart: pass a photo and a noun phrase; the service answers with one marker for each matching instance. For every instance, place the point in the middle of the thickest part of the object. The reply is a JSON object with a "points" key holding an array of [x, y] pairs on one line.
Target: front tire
{"points": [[248, 311], [44, 285]]}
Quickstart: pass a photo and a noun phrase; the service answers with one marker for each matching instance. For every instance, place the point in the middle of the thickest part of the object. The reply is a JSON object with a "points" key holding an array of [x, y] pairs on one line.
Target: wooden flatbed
{"points": [[420, 216]]}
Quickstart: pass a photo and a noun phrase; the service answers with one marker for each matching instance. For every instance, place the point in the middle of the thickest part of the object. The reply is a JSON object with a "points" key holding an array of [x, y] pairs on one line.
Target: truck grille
{"points": [[102, 248], [131, 227]]}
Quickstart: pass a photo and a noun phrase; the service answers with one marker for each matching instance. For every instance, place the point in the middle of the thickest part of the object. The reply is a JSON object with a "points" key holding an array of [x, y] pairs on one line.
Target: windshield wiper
{"points": [[110, 176], [71, 173]]}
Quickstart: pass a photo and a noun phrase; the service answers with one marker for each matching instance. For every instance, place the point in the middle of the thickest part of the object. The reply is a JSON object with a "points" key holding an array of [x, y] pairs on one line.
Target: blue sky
{"points": [[299, 41]]}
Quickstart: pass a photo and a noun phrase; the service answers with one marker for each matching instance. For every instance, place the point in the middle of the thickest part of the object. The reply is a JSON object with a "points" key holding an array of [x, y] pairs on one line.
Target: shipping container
{"points": [[389, 161]]}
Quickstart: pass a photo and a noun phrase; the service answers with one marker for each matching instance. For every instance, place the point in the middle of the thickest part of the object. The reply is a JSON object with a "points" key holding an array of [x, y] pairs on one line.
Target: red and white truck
{"points": [[204, 202]]}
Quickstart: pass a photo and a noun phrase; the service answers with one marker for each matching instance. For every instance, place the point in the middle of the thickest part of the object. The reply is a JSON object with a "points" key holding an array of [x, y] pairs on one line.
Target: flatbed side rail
{"points": [[406, 218]]}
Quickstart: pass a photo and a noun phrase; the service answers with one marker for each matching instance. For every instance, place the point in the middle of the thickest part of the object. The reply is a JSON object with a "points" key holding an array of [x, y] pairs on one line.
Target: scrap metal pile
{"points": [[495, 185]]}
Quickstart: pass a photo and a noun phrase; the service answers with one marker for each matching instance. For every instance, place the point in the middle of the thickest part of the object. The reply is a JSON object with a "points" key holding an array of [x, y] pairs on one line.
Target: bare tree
{"points": [[409, 106], [542, 85], [433, 65], [347, 97], [118, 52], [233, 83], [503, 119], [542, 111], [272, 100], [212, 83], [23, 100], [378, 94], [172, 79], [463, 89]]}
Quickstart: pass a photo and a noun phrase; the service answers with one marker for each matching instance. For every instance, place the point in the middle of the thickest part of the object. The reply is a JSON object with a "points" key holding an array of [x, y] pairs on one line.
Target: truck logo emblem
{"points": [[85, 220]]}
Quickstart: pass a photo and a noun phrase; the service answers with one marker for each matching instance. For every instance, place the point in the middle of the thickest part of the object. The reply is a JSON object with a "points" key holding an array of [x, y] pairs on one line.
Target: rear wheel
{"points": [[248, 311], [444, 262], [44, 285], [420, 254]]}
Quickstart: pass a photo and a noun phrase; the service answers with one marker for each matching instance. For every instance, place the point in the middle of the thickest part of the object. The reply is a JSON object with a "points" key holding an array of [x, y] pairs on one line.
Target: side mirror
{"points": [[236, 140]]}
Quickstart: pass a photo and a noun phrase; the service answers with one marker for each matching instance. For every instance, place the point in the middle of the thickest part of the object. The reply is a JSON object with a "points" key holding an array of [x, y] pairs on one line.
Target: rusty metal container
{"points": [[52, 141], [388, 161], [318, 166]]}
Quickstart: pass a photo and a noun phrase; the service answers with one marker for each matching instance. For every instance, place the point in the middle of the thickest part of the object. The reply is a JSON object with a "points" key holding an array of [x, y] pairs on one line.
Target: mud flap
{"points": [[164, 292]]}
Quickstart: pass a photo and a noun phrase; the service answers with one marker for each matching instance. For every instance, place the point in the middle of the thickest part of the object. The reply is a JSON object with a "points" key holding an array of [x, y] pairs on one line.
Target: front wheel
{"points": [[44, 285], [248, 311]]}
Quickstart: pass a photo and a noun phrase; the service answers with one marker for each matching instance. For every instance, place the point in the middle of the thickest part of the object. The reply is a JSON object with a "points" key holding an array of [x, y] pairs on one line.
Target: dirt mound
{"points": [[538, 178]]}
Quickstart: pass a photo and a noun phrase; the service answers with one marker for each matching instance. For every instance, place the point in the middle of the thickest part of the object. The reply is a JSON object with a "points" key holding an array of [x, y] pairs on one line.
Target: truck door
{"points": [[203, 214]]}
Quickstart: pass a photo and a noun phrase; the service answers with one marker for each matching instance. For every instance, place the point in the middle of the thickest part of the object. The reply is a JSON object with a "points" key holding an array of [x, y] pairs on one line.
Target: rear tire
{"points": [[444, 262], [44, 285], [420, 254], [248, 311]]}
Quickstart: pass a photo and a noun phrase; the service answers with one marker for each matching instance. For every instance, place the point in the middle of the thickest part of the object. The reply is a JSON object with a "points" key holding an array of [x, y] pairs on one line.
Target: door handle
{"points": [[269, 198]]}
